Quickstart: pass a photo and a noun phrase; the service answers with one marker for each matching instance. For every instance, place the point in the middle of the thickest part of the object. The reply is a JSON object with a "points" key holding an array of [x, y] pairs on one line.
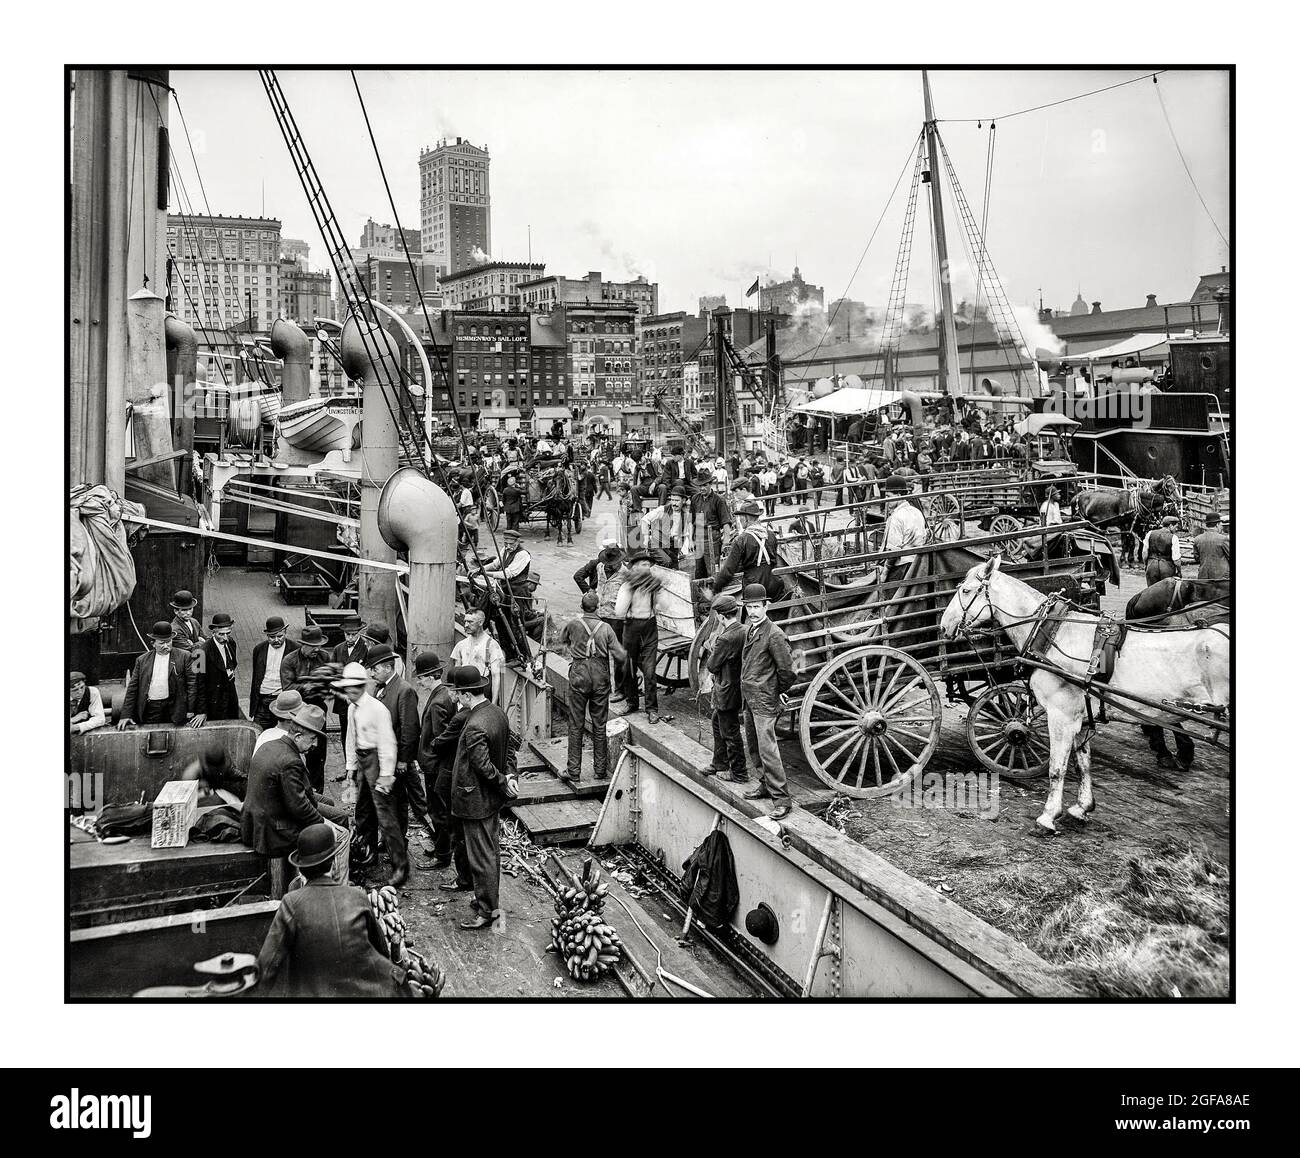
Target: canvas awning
{"points": [[500, 412], [1127, 348], [848, 400], [552, 412], [1036, 423]]}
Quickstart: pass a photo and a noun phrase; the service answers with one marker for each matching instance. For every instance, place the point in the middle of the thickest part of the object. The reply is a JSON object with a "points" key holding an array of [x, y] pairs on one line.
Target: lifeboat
{"points": [[311, 426]]}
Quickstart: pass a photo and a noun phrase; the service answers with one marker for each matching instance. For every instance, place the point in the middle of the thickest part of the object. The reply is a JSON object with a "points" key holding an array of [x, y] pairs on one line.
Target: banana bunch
{"points": [[383, 902], [423, 981], [579, 933]]}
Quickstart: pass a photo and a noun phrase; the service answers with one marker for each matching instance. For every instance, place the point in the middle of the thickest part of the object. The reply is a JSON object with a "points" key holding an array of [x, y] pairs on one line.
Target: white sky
{"points": [[697, 179]]}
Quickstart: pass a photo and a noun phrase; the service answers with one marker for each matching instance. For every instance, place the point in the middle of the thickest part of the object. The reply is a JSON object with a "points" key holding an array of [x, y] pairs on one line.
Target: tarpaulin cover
{"points": [[1122, 349], [101, 572], [850, 400]]}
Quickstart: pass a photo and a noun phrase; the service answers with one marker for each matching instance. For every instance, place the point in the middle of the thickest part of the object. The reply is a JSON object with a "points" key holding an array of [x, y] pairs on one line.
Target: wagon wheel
{"points": [[672, 670], [700, 677], [491, 507], [1007, 731], [870, 721], [1014, 549], [941, 505], [946, 531]]}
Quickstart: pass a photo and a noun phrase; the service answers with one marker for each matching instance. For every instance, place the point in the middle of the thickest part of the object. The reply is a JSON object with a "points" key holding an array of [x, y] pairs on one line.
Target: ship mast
{"points": [[949, 363]]}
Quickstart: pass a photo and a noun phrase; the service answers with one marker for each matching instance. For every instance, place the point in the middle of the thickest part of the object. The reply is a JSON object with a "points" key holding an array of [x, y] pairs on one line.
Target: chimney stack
{"points": [[1151, 300], [1096, 307]]}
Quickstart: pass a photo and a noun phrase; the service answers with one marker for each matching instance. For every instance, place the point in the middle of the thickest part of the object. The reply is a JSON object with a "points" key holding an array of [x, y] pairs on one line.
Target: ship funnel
{"points": [[356, 349], [293, 348], [417, 516]]}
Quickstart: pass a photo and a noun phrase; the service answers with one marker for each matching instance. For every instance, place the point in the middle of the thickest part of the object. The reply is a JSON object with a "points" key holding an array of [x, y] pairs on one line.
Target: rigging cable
{"points": [[1049, 104], [984, 233], [1186, 169]]}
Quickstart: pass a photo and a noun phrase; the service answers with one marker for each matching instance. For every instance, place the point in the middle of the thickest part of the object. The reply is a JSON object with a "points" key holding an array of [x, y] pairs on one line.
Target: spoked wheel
{"points": [[492, 508], [1007, 731], [672, 670], [1013, 549], [870, 721], [941, 505], [700, 676], [946, 531]]}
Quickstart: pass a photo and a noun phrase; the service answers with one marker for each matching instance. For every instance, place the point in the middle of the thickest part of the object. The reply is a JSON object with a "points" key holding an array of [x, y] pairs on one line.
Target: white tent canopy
{"points": [[1123, 349], [847, 400]]}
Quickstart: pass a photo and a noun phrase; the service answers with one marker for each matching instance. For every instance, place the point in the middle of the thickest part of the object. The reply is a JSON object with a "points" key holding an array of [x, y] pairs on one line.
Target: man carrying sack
{"points": [[592, 643]]}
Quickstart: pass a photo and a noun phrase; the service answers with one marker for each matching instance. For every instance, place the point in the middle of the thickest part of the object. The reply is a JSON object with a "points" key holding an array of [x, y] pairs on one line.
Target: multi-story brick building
{"points": [[304, 294], [490, 286], [376, 236], [455, 204], [387, 277], [668, 341], [602, 353], [226, 271], [543, 294]]}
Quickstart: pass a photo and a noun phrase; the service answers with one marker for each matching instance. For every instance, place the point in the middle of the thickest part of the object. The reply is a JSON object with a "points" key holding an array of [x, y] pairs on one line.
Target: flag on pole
{"points": [[749, 293]]}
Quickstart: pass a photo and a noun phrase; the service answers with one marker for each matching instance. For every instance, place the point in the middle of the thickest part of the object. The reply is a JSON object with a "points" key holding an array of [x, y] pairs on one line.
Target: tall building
{"points": [[544, 294], [376, 236], [489, 286], [304, 295], [387, 277], [602, 349], [455, 204], [226, 272], [786, 297], [668, 342]]}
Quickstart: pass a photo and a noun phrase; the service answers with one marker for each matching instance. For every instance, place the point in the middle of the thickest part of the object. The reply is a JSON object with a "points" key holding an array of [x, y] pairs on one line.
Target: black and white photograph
{"points": [[550, 533]]}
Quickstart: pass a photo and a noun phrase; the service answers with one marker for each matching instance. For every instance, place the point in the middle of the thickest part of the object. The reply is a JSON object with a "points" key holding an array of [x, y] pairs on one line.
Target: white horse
{"points": [[1189, 664]]}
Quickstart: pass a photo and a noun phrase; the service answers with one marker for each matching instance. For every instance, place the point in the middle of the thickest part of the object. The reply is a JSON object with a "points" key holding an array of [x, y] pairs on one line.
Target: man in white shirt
{"points": [[282, 707], [905, 527], [85, 705], [666, 531], [370, 757], [267, 657], [478, 649]]}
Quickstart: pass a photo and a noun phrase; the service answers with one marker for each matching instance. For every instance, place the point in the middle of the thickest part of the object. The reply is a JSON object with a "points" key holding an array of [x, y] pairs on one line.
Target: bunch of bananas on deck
{"points": [[422, 980], [579, 933]]}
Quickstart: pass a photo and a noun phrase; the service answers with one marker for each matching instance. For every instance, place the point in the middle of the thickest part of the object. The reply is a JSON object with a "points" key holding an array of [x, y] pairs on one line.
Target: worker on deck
{"points": [[279, 801], [604, 575], [370, 757], [482, 780], [592, 644], [514, 573], [268, 656], [403, 704], [666, 531], [85, 705], [1211, 550], [636, 606], [325, 940], [752, 556], [159, 688], [478, 649], [1162, 549], [711, 520], [187, 634], [724, 665], [352, 650], [216, 772], [214, 666], [294, 675], [766, 674], [512, 502], [439, 708]]}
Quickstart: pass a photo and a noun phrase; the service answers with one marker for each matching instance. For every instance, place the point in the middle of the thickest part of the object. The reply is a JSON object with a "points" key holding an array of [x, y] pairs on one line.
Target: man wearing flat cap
{"points": [[724, 666], [1163, 551], [159, 687], [268, 656], [85, 705], [215, 664]]}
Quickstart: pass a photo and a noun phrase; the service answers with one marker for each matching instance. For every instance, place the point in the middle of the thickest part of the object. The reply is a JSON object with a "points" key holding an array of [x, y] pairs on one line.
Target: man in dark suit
{"points": [[279, 801], [435, 753], [1211, 549], [160, 685], [297, 666], [403, 704], [187, 632], [214, 665], [482, 780], [352, 650], [724, 664], [268, 656], [512, 502]]}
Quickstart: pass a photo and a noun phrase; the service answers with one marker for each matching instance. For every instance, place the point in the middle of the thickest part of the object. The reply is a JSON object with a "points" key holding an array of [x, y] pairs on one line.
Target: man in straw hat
{"points": [[279, 801], [159, 687], [325, 940], [370, 757]]}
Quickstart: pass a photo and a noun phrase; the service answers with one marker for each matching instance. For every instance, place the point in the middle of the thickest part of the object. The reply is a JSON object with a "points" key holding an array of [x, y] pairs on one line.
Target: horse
{"points": [[1181, 664], [559, 499], [1174, 595], [1132, 511]]}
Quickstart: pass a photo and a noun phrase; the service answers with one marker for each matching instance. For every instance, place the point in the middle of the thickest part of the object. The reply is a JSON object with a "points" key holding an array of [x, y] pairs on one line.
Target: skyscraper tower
{"points": [[455, 204]]}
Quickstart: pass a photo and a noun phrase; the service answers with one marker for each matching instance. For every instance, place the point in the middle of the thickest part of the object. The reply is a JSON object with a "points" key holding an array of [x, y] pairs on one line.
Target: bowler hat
{"points": [[724, 604], [161, 630], [377, 633], [316, 844], [184, 600], [897, 484], [354, 676], [1212, 519], [761, 923], [311, 717], [380, 653], [221, 619], [427, 663], [351, 623], [468, 679], [285, 704], [751, 508], [754, 593], [678, 492], [274, 623], [312, 636]]}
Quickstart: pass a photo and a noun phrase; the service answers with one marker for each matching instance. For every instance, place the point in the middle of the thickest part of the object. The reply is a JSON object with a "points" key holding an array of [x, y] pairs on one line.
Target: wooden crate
{"points": [[175, 810]]}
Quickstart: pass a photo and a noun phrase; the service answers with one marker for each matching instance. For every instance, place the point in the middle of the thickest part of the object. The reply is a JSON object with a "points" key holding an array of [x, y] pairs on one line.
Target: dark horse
{"points": [[1176, 594], [1133, 512], [560, 502]]}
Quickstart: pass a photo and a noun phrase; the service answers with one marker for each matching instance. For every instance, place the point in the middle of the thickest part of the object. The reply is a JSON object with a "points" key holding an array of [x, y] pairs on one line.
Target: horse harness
{"points": [[1107, 640]]}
